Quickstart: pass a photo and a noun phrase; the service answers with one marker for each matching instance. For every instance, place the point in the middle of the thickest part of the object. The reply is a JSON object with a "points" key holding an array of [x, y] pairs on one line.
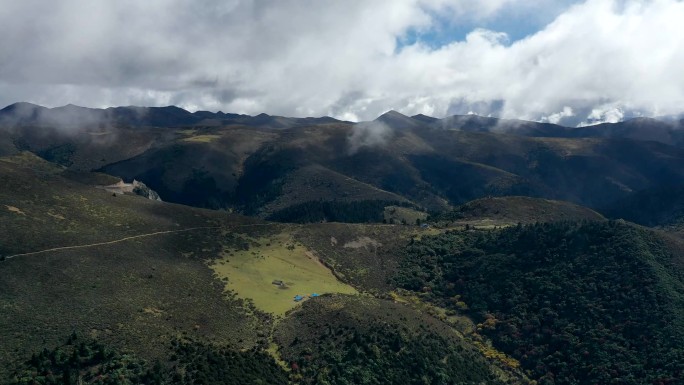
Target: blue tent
{"points": [[314, 295], [298, 298]]}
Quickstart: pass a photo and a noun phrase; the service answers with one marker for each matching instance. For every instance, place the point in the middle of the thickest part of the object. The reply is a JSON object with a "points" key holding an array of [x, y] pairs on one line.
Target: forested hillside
{"points": [[343, 340], [576, 303], [661, 206]]}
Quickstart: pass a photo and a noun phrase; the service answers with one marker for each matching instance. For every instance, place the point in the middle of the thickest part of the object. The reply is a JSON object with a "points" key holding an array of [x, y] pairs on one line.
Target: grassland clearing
{"points": [[398, 214], [208, 138], [251, 271]]}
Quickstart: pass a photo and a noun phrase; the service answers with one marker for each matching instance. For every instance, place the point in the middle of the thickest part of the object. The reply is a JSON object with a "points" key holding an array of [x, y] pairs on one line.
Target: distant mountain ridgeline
{"points": [[71, 116], [668, 131]]}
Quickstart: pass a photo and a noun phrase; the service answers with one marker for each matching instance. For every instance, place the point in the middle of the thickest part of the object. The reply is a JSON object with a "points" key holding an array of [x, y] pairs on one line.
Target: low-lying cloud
{"points": [[592, 61], [368, 134], [557, 117]]}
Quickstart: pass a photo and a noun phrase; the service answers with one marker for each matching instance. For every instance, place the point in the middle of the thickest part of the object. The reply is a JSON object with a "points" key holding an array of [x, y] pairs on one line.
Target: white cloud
{"points": [[604, 114], [340, 58], [556, 118], [368, 134]]}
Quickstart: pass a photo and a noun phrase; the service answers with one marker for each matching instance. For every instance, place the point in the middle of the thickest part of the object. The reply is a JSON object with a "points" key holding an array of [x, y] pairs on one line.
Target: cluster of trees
{"points": [[200, 363], [359, 340], [384, 354], [86, 362], [661, 206], [575, 303], [60, 154], [90, 362]]}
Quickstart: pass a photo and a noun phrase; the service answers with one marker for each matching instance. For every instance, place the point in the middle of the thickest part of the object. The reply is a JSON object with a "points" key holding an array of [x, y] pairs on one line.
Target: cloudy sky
{"points": [[563, 61]]}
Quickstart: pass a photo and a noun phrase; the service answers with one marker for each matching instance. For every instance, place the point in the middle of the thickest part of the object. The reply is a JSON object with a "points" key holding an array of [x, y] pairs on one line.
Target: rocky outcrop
{"points": [[137, 187], [141, 189]]}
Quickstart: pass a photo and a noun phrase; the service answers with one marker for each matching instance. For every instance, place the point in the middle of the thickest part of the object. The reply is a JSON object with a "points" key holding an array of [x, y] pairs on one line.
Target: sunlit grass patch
{"points": [[202, 138], [252, 271]]}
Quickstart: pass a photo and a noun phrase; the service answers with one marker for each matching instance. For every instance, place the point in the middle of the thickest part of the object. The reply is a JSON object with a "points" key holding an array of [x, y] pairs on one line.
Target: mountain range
{"points": [[664, 130], [264, 164]]}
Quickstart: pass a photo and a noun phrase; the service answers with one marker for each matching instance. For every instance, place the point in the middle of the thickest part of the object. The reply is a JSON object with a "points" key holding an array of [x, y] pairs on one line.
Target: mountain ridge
{"points": [[257, 164], [73, 117]]}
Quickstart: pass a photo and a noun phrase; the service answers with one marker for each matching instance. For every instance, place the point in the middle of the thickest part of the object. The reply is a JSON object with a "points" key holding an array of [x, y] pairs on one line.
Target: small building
{"points": [[298, 298]]}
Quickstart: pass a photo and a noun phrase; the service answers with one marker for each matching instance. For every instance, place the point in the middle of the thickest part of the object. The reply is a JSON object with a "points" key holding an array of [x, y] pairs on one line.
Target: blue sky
{"points": [[515, 21], [567, 62]]}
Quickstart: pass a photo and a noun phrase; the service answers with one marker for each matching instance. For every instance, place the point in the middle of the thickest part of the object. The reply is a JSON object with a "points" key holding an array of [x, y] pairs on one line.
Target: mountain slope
{"points": [[660, 206], [518, 209], [555, 296], [126, 270], [264, 164], [399, 121], [140, 281], [430, 167], [340, 340], [644, 129]]}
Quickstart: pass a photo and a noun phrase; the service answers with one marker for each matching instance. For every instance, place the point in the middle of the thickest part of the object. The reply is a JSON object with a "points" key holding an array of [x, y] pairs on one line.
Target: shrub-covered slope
{"points": [[132, 276], [519, 209], [345, 340], [662, 206], [142, 281], [595, 302]]}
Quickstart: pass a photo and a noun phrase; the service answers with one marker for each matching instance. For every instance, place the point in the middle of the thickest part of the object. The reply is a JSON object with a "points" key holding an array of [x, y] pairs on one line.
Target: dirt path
{"points": [[315, 258], [132, 237]]}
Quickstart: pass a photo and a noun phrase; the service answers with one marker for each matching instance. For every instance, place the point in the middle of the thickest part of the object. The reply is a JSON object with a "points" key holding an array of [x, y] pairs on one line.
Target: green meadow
{"points": [[251, 273], [202, 138]]}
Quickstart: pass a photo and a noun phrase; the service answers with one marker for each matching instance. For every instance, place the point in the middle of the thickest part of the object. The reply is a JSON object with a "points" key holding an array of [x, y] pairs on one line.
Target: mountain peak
{"points": [[392, 114], [21, 106], [72, 107], [398, 120]]}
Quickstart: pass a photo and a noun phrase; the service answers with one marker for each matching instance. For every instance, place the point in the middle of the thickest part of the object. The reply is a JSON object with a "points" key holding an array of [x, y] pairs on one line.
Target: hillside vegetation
{"points": [[341, 340], [513, 210], [80, 361], [594, 302], [271, 166], [169, 294], [662, 206], [126, 291]]}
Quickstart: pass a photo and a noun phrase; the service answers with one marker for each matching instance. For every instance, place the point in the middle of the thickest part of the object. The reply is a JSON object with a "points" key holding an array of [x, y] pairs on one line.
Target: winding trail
{"points": [[133, 237]]}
